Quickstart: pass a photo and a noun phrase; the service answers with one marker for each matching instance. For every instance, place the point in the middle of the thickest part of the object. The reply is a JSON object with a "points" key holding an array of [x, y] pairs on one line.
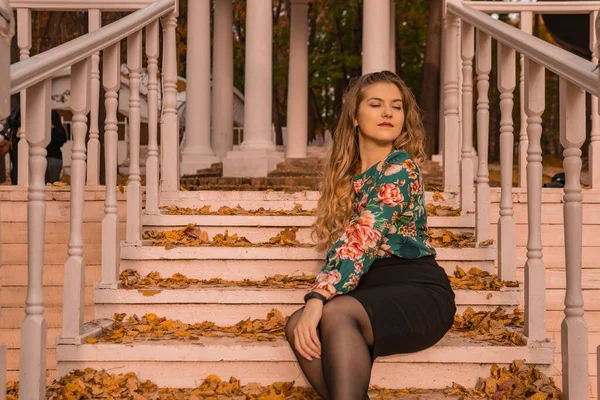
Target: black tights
{"points": [[344, 370]]}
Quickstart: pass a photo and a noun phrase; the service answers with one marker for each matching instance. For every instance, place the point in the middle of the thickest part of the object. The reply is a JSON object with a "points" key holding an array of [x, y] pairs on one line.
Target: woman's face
{"points": [[380, 114]]}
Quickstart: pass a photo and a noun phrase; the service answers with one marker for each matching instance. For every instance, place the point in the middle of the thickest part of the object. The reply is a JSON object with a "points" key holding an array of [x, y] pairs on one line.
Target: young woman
{"points": [[381, 291]]}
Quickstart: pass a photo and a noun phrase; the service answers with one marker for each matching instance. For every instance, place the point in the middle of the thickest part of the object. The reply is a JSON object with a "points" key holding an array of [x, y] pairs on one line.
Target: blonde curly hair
{"points": [[334, 207]]}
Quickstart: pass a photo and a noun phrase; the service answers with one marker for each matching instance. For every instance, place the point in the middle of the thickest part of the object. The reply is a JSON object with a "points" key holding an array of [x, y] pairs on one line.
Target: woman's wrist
{"points": [[317, 294]]}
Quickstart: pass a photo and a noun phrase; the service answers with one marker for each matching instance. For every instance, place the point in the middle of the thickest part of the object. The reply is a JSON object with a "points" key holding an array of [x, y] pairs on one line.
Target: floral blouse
{"points": [[389, 217]]}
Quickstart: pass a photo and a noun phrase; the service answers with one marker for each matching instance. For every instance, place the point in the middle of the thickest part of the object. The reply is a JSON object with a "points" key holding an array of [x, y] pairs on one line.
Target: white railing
{"points": [[463, 24], [526, 12], [7, 27], [32, 77]]}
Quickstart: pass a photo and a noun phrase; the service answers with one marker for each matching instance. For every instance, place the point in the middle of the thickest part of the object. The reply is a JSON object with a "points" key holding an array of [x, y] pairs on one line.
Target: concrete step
{"points": [[267, 199], [260, 221], [453, 359], [289, 183], [258, 229], [229, 305], [238, 263]]}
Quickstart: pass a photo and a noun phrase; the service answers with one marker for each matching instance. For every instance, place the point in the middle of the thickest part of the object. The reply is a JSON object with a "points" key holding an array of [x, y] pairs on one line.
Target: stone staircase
{"points": [[185, 363], [292, 174]]}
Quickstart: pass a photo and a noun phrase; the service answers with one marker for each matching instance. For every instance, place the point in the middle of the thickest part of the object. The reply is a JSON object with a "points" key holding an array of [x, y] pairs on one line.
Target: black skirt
{"points": [[410, 304]]}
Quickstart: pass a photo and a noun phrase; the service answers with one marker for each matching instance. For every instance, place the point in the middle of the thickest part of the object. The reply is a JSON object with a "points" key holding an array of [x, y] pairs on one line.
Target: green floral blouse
{"points": [[389, 218]]}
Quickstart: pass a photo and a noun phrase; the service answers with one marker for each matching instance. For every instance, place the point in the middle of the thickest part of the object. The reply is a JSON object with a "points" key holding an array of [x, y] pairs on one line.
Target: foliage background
{"points": [[335, 41]]}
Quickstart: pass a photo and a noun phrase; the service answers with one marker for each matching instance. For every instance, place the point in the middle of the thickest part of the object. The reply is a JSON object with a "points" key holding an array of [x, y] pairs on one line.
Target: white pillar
{"points": [[222, 86], [573, 329], [450, 122], [257, 154], [594, 148], [297, 108], [527, 27], [134, 187], [152, 174], [392, 50], [196, 152], [32, 363], [93, 151], [169, 124], [376, 36], [74, 272], [24, 43], [6, 33]]}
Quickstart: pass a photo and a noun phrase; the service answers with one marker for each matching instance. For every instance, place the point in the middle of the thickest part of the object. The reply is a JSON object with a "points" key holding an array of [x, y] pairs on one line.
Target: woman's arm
{"points": [[388, 205]]}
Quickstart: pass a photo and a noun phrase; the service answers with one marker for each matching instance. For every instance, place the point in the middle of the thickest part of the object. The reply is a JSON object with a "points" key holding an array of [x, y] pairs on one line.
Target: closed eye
{"points": [[395, 107]]}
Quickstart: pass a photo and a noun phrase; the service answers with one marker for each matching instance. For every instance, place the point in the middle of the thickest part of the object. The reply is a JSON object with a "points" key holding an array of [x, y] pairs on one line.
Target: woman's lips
{"points": [[386, 124]]}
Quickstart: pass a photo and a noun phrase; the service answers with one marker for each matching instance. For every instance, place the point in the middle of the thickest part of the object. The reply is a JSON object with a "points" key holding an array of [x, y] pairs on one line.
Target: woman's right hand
{"points": [[306, 339]]}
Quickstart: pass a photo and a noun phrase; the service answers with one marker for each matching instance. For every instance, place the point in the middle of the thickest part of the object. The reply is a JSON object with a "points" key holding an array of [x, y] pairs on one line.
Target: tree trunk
{"points": [[430, 86], [276, 117]]}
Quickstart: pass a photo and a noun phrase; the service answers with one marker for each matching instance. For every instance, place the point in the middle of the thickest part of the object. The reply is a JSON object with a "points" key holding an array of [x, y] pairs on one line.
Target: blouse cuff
{"points": [[328, 287]]}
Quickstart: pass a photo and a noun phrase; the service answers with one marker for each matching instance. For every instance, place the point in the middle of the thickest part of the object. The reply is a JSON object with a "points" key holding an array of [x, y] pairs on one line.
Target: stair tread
{"points": [[147, 252], [265, 295], [453, 348], [463, 221]]}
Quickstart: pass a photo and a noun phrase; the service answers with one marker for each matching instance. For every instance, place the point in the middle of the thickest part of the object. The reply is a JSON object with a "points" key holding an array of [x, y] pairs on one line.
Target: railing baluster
{"points": [[535, 271], [467, 192], [482, 192], [110, 222], [527, 27], [74, 284], [594, 149], [507, 245], [134, 187], [169, 123], [32, 367], [6, 35], [574, 332], [24, 43], [152, 33], [93, 152], [450, 96]]}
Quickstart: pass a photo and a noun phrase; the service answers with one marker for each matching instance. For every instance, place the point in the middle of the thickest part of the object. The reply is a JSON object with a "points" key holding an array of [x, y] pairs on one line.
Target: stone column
{"points": [[297, 119], [196, 152], [257, 155], [222, 87], [376, 36]]}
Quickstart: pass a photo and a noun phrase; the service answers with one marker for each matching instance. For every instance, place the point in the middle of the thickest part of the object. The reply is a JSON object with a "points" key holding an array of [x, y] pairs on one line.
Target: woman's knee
{"points": [[336, 311], [346, 310]]}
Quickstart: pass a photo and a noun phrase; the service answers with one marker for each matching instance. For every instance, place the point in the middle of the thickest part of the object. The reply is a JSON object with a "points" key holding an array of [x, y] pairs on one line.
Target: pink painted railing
{"points": [[32, 77], [464, 23]]}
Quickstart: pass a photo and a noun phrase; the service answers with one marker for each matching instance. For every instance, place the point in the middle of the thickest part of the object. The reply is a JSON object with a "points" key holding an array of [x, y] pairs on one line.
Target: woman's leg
{"points": [[312, 369], [346, 343]]}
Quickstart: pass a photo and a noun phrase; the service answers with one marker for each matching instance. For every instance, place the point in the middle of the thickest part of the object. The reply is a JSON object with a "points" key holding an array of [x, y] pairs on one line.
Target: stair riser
{"points": [[220, 314], [260, 221], [257, 199], [255, 269], [388, 375], [260, 234]]}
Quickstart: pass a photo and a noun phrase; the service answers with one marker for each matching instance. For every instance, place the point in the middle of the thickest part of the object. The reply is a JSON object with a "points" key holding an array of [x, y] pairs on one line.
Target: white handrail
{"points": [[539, 7], [78, 5], [33, 70], [563, 63]]}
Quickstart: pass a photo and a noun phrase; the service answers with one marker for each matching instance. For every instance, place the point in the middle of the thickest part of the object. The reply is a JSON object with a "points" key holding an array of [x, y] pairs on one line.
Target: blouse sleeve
{"points": [[386, 206]]}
